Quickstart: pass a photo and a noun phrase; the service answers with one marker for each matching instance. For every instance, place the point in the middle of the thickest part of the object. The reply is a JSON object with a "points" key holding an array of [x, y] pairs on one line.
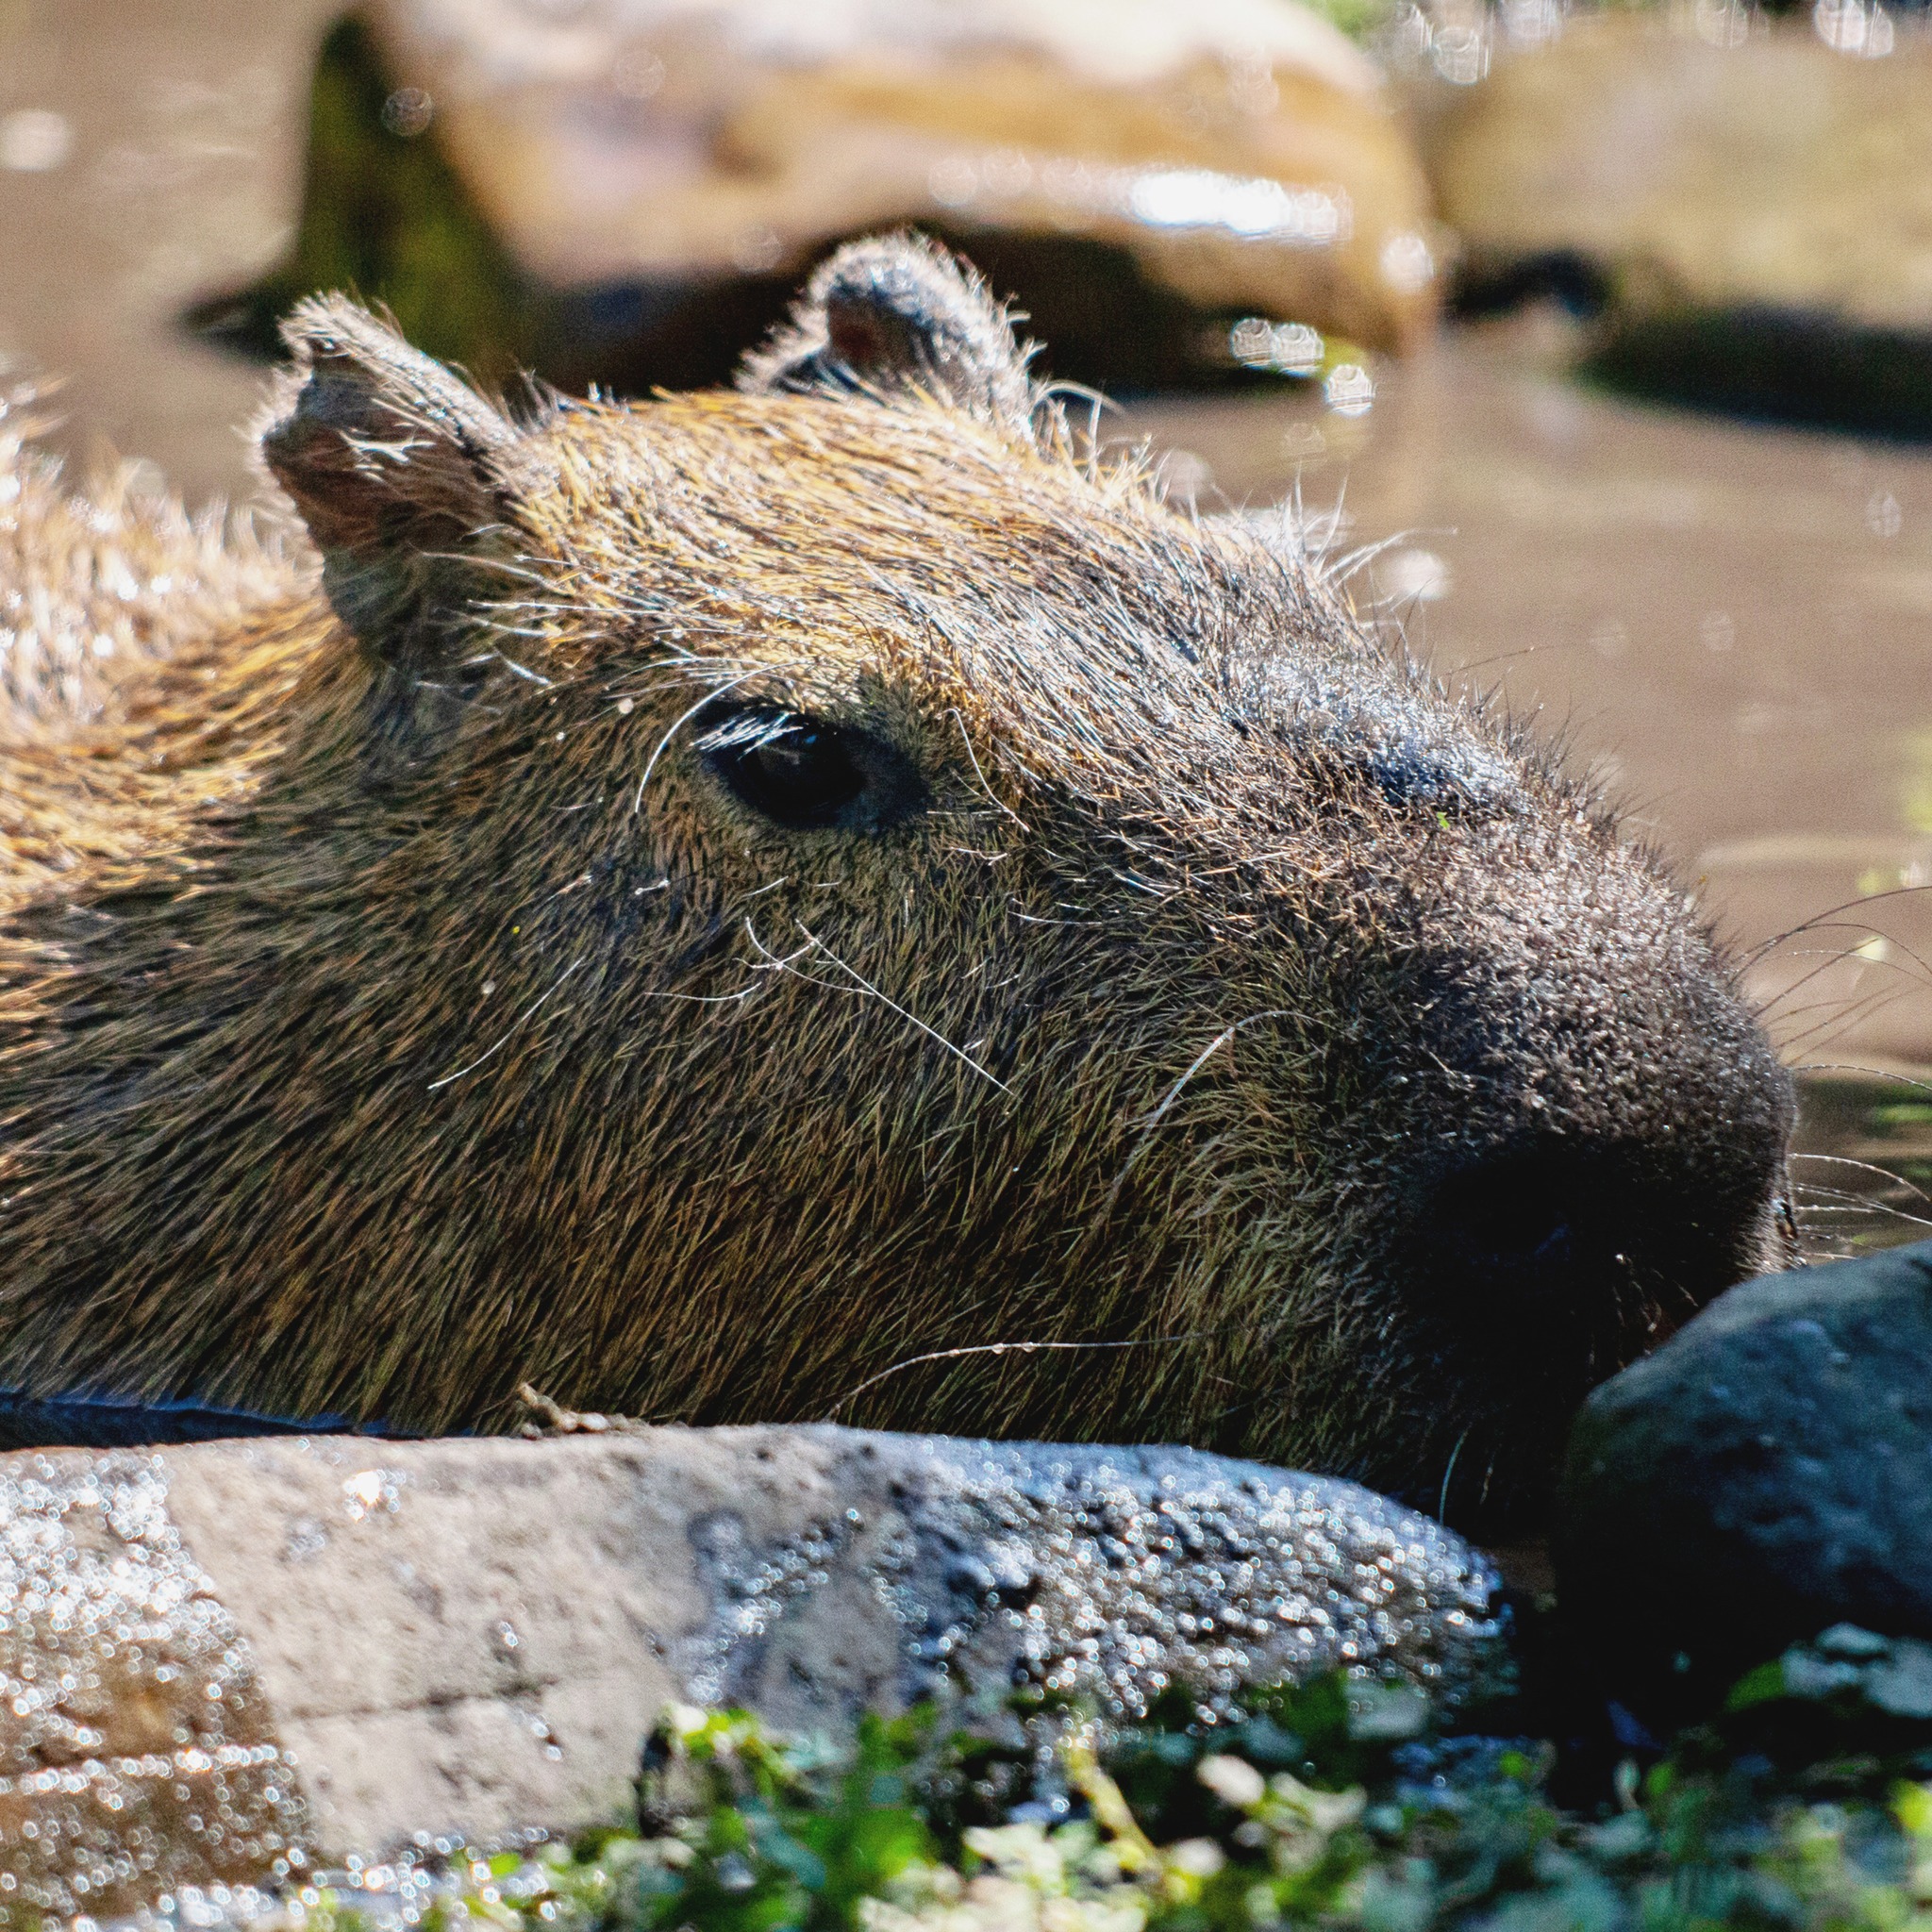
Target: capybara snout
{"points": [[1582, 1213], [824, 899]]}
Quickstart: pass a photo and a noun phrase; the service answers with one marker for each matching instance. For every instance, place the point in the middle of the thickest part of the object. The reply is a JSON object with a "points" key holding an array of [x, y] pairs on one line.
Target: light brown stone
{"points": [[1241, 150], [474, 1636], [1775, 171]]}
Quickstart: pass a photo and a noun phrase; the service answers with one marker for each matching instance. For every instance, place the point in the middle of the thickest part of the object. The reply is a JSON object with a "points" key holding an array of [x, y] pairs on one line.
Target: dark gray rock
{"points": [[1105, 1572], [1765, 1474]]}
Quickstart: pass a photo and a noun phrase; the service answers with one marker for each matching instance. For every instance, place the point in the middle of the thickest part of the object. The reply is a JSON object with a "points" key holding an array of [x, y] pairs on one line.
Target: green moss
{"points": [[1358, 19]]}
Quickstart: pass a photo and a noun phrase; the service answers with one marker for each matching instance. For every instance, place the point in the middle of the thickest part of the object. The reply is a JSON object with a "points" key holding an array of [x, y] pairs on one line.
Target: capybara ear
{"points": [[897, 316], [398, 471]]}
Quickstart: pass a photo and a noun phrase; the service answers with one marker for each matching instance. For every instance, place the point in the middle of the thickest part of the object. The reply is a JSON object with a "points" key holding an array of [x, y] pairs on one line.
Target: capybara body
{"points": [[819, 900]]}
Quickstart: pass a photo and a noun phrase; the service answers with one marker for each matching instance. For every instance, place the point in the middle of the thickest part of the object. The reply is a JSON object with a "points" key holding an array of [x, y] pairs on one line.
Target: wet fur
{"points": [[398, 1009]]}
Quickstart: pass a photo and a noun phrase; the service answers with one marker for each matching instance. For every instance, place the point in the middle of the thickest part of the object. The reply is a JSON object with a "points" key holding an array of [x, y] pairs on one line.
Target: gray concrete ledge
{"points": [[221, 1655]]}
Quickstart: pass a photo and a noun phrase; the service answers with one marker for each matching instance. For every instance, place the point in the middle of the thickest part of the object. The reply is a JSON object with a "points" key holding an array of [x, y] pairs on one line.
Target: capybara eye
{"points": [[805, 774]]}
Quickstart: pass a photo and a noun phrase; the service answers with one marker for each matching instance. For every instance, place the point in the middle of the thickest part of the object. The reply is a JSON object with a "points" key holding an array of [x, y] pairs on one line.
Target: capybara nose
{"points": [[1569, 1247], [1528, 1226]]}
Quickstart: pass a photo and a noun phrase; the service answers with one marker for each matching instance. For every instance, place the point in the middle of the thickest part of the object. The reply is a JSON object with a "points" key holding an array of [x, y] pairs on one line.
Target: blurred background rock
{"points": [[627, 191], [1612, 329]]}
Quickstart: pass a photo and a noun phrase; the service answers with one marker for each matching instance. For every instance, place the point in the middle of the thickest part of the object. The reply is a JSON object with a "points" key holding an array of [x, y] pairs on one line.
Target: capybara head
{"points": [[830, 900]]}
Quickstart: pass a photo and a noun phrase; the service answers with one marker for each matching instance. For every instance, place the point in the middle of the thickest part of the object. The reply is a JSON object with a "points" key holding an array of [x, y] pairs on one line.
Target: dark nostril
{"points": [[1523, 1221], [1599, 1238]]}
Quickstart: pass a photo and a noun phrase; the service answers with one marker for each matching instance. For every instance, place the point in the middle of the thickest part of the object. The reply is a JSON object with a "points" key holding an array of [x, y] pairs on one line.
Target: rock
{"points": [[651, 178], [137, 1750], [1759, 213], [282, 1650], [1765, 1474], [1773, 172]]}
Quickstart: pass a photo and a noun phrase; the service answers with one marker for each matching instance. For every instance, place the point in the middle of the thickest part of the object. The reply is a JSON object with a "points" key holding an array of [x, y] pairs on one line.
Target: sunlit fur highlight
{"points": [[365, 1059]]}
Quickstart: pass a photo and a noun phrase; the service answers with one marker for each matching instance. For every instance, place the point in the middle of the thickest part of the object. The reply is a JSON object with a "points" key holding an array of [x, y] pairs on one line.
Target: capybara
{"points": [[828, 899]]}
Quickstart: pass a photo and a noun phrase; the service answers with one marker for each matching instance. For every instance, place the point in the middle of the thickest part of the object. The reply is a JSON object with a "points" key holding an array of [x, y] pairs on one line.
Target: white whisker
{"points": [[528, 1013], [942, 1355], [1174, 1093]]}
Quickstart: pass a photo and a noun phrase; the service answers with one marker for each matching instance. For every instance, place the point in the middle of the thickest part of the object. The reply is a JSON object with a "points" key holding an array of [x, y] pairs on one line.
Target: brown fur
{"points": [[396, 1004]]}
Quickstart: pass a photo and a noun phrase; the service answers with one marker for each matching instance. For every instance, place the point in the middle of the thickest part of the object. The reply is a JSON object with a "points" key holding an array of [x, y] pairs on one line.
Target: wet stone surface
{"points": [[1767, 1474], [1109, 1573], [136, 1750], [469, 1639], [629, 194]]}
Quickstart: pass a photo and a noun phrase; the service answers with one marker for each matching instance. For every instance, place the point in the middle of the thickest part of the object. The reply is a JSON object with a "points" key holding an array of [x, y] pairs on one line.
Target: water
{"points": [[1728, 622], [1864, 1165]]}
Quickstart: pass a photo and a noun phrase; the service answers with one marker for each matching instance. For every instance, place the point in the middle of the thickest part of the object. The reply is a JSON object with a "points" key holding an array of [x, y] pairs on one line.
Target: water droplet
{"points": [[409, 112], [35, 140], [638, 74], [1350, 390], [1883, 516]]}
